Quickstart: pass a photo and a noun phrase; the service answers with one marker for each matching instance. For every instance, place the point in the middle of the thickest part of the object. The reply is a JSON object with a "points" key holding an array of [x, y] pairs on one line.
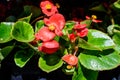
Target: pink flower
{"points": [[70, 59], [49, 47], [82, 32], [79, 26], [94, 18], [48, 8], [44, 34], [81, 29], [55, 23]]}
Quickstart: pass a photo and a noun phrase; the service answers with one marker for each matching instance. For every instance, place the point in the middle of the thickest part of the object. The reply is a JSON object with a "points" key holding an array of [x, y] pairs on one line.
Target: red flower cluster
{"points": [[80, 30], [54, 23]]}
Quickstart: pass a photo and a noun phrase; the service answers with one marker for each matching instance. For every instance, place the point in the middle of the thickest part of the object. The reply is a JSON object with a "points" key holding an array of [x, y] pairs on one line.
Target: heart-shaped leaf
{"points": [[22, 57], [5, 31], [97, 60], [49, 63], [23, 32]]}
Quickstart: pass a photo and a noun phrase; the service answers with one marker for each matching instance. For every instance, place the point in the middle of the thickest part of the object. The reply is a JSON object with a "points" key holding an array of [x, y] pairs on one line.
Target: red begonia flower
{"points": [[44, 34], [55, 23], [82, 32], [81, 29], [70, 59], [79, 26], [49, 47], [94, 19], [48, 8]]}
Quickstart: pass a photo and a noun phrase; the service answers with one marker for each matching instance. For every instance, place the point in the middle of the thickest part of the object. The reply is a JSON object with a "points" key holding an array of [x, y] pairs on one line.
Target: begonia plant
{"points": [[77, 47]]}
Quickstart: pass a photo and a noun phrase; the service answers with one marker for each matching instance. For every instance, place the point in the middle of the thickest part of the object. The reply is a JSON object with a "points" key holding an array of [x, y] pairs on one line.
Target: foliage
{"points": [[77, 46]]}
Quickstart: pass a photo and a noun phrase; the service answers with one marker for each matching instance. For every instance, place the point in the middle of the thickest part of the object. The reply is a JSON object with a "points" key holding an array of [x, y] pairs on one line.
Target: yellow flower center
{"points": [[69, 67], [94, 17], [51, 27], [48, 6]]}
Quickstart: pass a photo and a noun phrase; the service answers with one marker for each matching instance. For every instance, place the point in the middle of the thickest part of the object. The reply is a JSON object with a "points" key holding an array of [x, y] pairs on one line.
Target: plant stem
{"points": [[31, 46], [76, 49], [38, 18]]}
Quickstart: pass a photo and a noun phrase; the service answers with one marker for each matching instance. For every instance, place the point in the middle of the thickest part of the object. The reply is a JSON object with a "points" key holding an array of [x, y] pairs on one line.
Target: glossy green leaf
{"points": [[85, 45], [49, 63], [116, 39], [38, 25], [81, 73], [97, 60], [100, 39], [5, 51], [22, 57], [23, 32], [5, 31]]}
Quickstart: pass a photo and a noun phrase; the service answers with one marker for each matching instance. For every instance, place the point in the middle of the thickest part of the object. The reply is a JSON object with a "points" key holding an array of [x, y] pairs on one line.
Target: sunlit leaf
{"points": [[23, 32], [5, 31], [97, 60]]}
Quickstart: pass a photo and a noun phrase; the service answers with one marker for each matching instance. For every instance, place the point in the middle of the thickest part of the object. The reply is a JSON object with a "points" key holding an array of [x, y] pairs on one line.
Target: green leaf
{"points": [[99, 8], [49, 63], [26, 19], [87, 22], [28, 9], [116, 39], [5, 51], [81, 73], [23, 32], [22, 57], [5, 31], [78, 74], [68, 27], [97, 60], [100, 39], [38, 25], [85, 45], [117, 4]]}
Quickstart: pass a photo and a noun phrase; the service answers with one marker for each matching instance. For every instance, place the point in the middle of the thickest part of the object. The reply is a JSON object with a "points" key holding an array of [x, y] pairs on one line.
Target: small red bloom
{"points": [[44, 34], [48, 8], [81, 29], [49, 47], [94, 19], [82, 32], [55, 23], [72, 37], [70, 59], [79, 26]]}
